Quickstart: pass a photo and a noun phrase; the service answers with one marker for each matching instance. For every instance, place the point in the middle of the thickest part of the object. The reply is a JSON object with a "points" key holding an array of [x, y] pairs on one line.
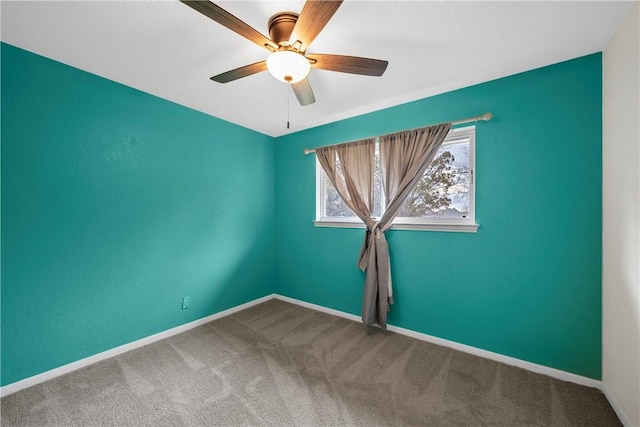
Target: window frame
{"points": [[467, 225]]}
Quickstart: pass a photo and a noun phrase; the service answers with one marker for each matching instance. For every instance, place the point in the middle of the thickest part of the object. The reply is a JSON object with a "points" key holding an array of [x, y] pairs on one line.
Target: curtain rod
{"points": [[483, 117]]}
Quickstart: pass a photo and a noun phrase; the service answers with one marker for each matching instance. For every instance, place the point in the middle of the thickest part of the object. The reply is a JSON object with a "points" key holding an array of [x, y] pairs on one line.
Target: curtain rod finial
{"points": [[486, 117], [308, 151]]}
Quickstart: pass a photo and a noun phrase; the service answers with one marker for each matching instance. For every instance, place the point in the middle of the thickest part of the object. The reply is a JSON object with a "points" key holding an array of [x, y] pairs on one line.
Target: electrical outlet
{"points": [[185, 302]]}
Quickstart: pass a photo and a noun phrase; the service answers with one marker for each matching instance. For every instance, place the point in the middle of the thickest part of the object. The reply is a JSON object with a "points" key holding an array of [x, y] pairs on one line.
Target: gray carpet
{"points": [[280, 364]]}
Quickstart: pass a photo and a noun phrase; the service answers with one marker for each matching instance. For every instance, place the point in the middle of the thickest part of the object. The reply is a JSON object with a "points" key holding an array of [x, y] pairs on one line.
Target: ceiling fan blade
{"points": [[314, 16], [303, 92], [241, 72], [223, 17], [348, 64]]}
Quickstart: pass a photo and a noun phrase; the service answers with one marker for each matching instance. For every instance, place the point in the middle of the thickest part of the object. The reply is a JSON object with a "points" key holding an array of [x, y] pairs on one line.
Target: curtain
{"points": [[404, 157], [350, 168]]}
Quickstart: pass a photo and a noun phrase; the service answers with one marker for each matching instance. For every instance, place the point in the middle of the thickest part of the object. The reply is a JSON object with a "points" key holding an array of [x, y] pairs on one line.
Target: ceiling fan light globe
{"points": [[288, 66]]}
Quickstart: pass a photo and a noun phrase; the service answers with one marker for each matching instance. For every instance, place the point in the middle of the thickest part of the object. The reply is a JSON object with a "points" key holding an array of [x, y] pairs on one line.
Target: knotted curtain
{"points": [[404, 157]]}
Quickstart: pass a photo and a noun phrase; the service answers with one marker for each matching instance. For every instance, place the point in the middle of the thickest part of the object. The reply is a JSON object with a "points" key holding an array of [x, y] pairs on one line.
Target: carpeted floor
{"points": [[280, 364]]}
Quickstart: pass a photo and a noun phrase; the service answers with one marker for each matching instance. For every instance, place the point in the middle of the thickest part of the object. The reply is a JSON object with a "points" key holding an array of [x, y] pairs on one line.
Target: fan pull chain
{"points": [[288, 98]]}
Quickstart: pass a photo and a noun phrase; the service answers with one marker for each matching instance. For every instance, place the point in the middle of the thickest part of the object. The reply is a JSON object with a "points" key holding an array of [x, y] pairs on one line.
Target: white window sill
{"points": [[434, 226]]}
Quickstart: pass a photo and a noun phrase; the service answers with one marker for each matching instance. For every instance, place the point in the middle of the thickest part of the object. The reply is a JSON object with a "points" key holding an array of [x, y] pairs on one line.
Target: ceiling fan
{"points": [[290, 36]]}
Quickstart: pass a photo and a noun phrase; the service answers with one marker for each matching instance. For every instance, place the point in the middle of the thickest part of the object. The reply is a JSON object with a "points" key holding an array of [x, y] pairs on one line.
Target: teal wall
{"points": [[527, 284], [115, 205]]}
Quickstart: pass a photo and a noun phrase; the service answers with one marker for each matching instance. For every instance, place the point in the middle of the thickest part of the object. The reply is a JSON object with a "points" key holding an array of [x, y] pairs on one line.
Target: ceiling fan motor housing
{"points": [[281, 26]]}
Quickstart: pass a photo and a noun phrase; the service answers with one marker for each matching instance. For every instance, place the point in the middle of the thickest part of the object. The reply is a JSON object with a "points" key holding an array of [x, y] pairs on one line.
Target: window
{"points": [[442, 200]]}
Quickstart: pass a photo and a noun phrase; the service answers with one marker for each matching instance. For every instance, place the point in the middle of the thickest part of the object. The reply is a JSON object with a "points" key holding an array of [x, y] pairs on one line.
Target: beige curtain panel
{"points": [[350, 169], [404, 157]]}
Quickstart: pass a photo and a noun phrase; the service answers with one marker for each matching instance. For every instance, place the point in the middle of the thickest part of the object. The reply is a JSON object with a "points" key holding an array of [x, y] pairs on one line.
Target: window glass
{"points": [[443, 191]]}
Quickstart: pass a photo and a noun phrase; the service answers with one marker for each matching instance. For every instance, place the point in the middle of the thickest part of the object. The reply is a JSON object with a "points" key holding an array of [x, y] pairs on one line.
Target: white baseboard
{"points": [[554, 373], [318, 308], [529, 366], [65, 369], [616, 407]]}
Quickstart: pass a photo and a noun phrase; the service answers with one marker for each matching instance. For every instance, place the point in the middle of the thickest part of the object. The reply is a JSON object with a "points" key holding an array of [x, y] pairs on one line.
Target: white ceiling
{"points": [[168, 49]]}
